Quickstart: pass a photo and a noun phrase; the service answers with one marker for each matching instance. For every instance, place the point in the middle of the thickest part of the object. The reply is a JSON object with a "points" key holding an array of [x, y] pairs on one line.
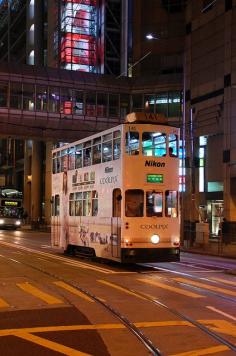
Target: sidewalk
{"points": [[213, 248]]}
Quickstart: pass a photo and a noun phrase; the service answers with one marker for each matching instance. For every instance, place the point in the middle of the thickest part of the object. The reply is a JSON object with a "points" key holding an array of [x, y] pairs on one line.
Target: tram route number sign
{"points": [[154, 178]]}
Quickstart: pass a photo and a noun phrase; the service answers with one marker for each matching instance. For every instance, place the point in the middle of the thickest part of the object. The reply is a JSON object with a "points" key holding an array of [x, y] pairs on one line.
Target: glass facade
{"points": [[70, 101]]}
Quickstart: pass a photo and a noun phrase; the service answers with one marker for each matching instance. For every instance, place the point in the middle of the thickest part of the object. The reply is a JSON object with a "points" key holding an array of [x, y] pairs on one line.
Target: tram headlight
{"points": [[155, 239], [176, 241], [1, 221], [18, 222]]}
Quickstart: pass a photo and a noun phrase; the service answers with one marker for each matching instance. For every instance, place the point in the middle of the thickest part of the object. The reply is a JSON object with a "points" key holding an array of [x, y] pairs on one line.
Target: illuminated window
{"points": [[182, 169], [202, 155]]}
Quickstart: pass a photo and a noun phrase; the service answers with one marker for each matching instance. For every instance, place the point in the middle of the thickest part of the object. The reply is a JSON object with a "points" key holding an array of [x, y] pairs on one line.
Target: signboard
{"points": [[10, 203], [154, 178]]}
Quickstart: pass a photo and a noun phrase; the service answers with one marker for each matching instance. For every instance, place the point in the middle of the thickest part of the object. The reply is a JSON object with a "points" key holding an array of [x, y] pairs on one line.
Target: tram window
{"points": [[132, 143], [78, 204], [58, 163], [173, 145], [87, 154], [71, 205], [71, 158], [154, 203], [171, 203], [86, 203], [54, 164], [97, 154], [78, 156], [52, 206], [134, 199], [116, 148], [154, 144], [64, 160], [57, 205], [107, 151], [94, 203]]}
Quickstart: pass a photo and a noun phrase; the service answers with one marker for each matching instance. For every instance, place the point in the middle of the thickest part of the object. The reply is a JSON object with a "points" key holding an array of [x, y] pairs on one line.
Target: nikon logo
{"points": [[153, 163]]}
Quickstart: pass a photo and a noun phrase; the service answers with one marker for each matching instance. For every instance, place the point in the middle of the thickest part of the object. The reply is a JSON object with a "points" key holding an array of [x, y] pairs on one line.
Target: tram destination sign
{"points": [[154, 178], [10, 203]]}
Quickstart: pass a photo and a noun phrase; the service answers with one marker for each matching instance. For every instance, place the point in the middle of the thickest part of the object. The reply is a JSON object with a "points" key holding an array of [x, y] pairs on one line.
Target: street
{"points": [[52, 304]]}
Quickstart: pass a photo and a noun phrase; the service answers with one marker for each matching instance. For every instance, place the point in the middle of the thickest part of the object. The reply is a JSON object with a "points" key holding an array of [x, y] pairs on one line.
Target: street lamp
{"points": [[149, 37]]}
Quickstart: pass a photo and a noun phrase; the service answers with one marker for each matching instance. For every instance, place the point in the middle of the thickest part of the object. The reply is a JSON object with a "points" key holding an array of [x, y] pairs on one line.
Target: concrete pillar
{"points": [[36, 184], [27, 178], [48, 180]]}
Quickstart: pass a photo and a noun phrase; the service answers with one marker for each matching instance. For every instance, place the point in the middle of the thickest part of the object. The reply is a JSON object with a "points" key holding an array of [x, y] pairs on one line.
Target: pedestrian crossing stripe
{"points": [[205, 286], [73, 290], [36, 292], [170, 288]]}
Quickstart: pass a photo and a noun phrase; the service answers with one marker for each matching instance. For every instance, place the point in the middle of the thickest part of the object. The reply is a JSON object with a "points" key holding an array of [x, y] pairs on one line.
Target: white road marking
{"points": [[64, 259], [14, 260], [221, 312]]}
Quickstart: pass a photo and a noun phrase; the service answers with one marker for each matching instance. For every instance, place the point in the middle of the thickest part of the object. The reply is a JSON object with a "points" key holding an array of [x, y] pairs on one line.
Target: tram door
{"points": [[116, 223], [56, 221]]}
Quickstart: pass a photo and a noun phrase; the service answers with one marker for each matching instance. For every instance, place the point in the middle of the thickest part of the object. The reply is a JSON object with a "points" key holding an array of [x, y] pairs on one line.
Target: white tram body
{"points": [[115, 194]]}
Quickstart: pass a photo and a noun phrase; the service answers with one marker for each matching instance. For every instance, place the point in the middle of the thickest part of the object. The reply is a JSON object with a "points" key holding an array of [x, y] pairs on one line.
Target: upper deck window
{"points": [[78, 156], [107, 147], [97, 150], [87, 154], [173, 145], [154, 144], [116, 144], [132, 142]]}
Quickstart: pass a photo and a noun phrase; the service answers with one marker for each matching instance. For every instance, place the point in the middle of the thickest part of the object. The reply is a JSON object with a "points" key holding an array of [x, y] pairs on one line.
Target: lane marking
{"points": [[73, 290], [121, 289], [3, 304], [12, 259], [221, 312], [29, 288], [63, 259], [52, 345], [199, 352], [173, 289], [231, 283], [87, 266], [217, 325], [43, 329], [206, 286]]}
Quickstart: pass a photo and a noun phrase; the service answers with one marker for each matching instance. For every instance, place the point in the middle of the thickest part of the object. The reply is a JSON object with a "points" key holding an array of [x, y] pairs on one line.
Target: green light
{"points": [[154, 178]]}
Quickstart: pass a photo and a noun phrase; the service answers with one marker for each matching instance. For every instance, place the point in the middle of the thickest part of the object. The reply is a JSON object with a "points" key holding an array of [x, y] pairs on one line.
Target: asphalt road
{"points": [[56, 304]]}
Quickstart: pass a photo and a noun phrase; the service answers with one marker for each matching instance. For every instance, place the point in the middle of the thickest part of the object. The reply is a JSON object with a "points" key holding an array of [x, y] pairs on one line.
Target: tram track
{"points": [[147, 343], [196, 288]]}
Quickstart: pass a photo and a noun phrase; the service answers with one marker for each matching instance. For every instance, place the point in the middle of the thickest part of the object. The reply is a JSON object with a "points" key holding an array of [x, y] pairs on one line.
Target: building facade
{"points": [[209, 120], [102, 40]]}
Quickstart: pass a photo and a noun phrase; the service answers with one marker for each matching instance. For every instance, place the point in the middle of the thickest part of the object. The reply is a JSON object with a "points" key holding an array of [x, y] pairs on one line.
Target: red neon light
{"points": [[78, 49], [82, 2]]}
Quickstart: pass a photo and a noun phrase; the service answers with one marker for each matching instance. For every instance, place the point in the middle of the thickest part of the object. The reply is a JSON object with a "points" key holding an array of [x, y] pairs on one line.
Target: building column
{"points": [[48, 181], [27, 178], [36, 184]]}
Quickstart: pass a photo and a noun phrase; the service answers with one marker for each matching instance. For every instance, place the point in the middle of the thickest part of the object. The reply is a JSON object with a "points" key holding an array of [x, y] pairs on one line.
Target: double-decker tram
{"points": [[115, 194], [11, 210]]}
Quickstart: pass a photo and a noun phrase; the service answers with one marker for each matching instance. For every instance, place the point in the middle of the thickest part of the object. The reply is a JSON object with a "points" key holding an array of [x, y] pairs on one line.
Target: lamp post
{"points": [[150, 37]]}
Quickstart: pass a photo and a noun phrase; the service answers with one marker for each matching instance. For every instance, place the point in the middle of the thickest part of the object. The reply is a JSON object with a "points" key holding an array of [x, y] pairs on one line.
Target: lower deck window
{"points": [[154, 203], [171, 203], [134, 201]]}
